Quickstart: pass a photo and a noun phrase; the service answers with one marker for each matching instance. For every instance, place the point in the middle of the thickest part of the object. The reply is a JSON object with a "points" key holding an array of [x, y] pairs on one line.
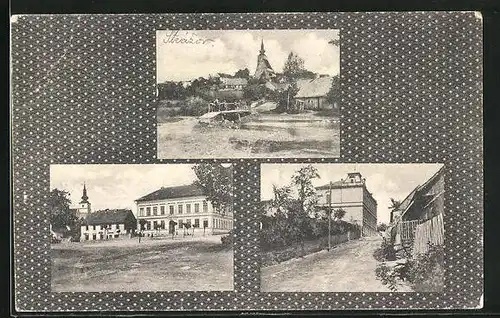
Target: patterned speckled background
{"points": [[83, 91]]}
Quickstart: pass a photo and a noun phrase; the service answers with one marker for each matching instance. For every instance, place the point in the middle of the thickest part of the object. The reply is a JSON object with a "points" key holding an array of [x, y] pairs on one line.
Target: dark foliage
{"points": [[424, 272], [217, 182]]}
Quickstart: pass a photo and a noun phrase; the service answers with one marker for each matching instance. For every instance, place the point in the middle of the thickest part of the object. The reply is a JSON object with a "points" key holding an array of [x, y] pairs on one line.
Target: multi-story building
{"points": [[169, 208], [352, 196]]}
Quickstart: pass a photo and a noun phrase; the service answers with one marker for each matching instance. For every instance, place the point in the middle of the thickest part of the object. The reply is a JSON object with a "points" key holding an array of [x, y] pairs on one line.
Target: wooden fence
{"points": [[407, 230], [431, 231]]}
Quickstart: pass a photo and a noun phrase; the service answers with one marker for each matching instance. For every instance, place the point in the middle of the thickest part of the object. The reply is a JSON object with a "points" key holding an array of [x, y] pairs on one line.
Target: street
{"points": [[198, 264], [350, 267]]}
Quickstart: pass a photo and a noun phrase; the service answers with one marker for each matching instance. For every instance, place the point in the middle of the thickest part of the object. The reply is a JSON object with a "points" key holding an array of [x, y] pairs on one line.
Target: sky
{"points": [[231, 50], [384, 181], [117, 186]]}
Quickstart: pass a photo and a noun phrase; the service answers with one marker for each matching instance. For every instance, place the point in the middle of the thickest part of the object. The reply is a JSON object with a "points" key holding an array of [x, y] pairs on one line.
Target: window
{"points": [[205, 206], [179, 208], [155, 225], [162, 225], [141, 211], [94, 227], [148, 225], [196, 207], [162, 210], [171, 209], [148, 211], [155, 210], [179, 223], [188, 208], [196, 222], [205, 223], [86, 227], [117, 226]]}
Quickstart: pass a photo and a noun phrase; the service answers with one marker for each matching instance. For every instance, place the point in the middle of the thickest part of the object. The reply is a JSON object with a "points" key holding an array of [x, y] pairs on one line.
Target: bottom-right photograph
{"points": [[352, 227]]}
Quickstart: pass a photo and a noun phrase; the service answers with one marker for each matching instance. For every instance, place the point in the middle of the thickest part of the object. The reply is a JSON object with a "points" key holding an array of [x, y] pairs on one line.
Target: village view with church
{"points": [[283, 110], [168, 233]]}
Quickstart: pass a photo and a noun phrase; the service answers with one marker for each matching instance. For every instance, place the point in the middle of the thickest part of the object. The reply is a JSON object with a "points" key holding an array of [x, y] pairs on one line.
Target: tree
{"points": [[284, 98], [302, 179], [243, 73], [300, 209], [217, 183], [339, 214], [335, 42], [171, 90], [142, 224], [381, 227], [60, 213], [282, 197], [294, 65], [395, 205], [333, 95]]}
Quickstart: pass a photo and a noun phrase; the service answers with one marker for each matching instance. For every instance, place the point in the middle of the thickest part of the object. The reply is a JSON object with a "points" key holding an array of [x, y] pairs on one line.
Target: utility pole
{"points": [[329, 216]]}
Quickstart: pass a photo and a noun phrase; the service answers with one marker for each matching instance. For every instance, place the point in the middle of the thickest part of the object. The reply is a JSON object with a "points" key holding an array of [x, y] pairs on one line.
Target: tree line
{"points": [[191, 100]]}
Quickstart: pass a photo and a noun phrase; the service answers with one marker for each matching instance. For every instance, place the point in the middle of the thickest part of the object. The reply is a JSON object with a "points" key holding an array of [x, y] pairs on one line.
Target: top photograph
{"points": [[248, 94]]}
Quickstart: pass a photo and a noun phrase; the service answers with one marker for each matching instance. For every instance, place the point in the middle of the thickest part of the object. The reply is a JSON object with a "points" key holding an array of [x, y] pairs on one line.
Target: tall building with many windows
{"points": [[351, 195], [169, 209]]}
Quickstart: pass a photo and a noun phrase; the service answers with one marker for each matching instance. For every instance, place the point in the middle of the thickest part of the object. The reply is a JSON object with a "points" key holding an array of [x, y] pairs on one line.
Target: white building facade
{"points": [[352, 196], [168, 210]]}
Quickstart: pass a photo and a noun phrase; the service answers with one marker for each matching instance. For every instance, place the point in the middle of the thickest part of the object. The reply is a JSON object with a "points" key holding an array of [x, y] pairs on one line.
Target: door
{"points": [[171, 227]]}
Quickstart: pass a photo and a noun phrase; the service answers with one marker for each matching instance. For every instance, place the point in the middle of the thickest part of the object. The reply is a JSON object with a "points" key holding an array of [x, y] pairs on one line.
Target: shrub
{"points": [[385, 252], [424, 272], [227, 240]]}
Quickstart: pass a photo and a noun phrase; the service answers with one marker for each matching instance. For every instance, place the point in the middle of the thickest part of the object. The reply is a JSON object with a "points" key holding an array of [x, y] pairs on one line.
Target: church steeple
{"points": [[263, 69], [84, 196]]}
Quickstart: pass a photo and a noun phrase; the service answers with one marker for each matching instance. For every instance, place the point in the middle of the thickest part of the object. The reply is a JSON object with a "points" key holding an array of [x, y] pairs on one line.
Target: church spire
{"points": [[262, 51], [84, 196]]}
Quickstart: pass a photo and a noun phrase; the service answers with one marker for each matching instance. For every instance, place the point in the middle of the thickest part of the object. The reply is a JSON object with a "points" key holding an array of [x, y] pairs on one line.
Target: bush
{"points": [[227, 240], [385, 252], [424, 272]]}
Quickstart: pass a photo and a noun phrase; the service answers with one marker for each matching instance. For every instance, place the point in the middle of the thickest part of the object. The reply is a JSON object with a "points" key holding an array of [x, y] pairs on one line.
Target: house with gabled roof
{"points": [[108, 224], [312, 93]]}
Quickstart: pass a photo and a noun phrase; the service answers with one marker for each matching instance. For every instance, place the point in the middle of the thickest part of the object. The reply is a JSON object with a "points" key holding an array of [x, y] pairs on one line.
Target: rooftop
{"points": [[317, 87], [109, 216], [173, 192]]}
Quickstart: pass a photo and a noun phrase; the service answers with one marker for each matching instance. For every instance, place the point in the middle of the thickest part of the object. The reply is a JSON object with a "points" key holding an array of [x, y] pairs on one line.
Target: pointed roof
{"points": [[85, 197], [262, 51]]}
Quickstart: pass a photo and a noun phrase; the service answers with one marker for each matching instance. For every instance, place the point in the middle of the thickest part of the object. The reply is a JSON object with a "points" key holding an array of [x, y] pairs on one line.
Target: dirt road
{"points": [[350, 267], [152, 265]]}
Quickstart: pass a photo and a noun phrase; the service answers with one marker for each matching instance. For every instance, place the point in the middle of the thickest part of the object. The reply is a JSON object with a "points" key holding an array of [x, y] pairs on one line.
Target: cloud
{"points": [[117, 186], [232, 50], [316, 51]]}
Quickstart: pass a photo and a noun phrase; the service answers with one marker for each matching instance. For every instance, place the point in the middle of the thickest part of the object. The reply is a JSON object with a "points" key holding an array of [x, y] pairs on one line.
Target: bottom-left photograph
{"points": [[144, 227]]}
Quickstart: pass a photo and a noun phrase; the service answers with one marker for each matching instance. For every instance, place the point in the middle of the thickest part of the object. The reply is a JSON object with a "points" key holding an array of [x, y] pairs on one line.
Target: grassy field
{"points": [[202, 264], [266, 135]]}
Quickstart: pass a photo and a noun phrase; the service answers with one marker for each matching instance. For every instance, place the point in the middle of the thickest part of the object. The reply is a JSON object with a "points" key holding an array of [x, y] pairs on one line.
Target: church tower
{"points": [[264, 69], [84, 205]]}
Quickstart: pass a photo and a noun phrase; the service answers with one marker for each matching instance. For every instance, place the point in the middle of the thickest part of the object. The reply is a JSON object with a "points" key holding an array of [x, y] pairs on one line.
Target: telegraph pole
{"points": [[329, 216]]}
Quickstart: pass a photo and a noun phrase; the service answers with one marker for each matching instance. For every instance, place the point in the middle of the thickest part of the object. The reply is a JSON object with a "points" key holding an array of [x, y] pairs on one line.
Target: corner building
{"points": [[168, 208], [352, 195]]}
